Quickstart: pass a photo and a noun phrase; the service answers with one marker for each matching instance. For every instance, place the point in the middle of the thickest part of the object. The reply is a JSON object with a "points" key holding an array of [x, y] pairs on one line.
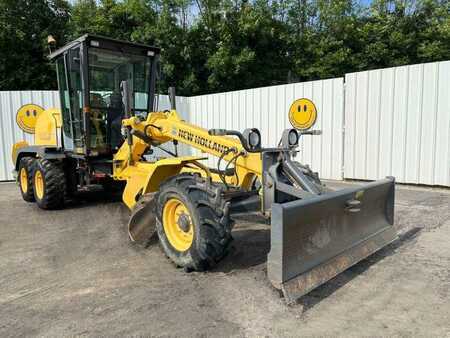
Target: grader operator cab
{"points": [[107, 124]]}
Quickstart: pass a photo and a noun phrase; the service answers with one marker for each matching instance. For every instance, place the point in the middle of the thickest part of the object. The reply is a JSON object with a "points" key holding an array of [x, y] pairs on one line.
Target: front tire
{"points": [[49, 184], [192, 221], [25, 178]]}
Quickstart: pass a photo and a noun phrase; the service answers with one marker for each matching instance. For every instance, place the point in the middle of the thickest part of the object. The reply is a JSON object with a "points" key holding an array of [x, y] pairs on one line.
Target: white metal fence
{"points": [[267, 108], [396, 121], [10, 132]]}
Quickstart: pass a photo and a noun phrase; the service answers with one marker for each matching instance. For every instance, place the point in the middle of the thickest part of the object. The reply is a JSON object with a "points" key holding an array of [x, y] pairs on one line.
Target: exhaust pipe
{"points": [[172, 98]]}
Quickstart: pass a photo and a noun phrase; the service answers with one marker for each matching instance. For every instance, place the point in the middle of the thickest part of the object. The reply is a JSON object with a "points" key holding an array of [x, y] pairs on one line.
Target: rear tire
{"points": [[207, 226], [49, 184], [25, 178]]}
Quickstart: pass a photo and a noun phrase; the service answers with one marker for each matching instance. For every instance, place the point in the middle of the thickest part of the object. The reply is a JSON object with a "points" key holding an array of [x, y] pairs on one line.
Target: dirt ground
{"points": [[74, 272]]}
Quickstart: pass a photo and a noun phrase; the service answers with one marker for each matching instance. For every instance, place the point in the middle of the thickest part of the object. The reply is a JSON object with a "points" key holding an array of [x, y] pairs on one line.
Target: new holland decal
{"points": [[202, 141]]}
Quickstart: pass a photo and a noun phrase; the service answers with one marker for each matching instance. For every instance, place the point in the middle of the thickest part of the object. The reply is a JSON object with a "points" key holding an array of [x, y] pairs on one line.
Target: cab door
{"points": [[71, 98]]}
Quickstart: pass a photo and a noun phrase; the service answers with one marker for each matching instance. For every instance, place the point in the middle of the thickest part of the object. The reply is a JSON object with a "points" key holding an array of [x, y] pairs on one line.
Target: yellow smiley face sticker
{"points": [[302, 114], [26, 117]]}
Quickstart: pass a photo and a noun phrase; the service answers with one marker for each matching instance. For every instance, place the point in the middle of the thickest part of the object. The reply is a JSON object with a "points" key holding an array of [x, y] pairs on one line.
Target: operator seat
{"points": [[115, 114], [98, 122]]}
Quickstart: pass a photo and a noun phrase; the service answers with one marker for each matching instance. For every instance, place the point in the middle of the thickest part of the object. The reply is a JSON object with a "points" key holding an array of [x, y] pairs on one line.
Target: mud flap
{"points": [[315, 239], [142, 223]]}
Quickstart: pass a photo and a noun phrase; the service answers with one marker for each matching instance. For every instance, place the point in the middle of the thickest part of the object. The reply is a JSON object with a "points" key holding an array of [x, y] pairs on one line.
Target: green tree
{"points": [[219, 45], [396, 33], [251, 51], [335, 39], [434, 31], [24, 27], [116, 19]]}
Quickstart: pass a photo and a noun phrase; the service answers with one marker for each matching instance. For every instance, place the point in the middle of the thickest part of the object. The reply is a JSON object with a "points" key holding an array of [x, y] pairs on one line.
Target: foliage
{"points": [[24, 27], [220, 45]]}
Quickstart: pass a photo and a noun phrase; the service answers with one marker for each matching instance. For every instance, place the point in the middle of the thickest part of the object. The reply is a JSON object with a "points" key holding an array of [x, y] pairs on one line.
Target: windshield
{"points": [[107, 69]]}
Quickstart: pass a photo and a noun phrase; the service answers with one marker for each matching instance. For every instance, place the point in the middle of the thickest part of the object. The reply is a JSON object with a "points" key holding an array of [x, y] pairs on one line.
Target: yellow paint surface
{"points": [[46, 131]]}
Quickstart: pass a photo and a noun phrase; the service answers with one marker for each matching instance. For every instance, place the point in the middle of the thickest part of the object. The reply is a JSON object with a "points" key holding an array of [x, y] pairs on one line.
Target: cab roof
{"points": [[102, 42]]}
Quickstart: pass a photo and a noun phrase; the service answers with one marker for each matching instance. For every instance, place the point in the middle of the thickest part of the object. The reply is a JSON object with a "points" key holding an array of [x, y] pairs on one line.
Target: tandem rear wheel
{"points": [[49, 184], [25, 178]]}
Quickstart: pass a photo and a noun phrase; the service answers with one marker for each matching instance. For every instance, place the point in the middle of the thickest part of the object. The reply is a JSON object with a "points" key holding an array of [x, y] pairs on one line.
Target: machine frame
{"points": [[316, 233]]}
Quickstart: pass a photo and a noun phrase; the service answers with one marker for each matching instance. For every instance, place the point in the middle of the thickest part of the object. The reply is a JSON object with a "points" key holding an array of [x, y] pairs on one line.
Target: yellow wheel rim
{"points": [[24, 180], [177, 223], [39, 184]]}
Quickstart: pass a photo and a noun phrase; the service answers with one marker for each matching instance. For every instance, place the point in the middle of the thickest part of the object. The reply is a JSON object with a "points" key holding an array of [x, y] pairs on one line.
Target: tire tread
{"points": [[28, 163], [213, 216], [54, 184]]}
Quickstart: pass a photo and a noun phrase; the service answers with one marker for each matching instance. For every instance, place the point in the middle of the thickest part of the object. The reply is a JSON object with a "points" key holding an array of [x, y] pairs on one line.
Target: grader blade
{"points": [[315, 239], [141, 225]]}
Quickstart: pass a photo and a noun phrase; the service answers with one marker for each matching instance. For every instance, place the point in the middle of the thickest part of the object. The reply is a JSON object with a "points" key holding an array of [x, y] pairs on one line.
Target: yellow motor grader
{"points": [[106, 129]]}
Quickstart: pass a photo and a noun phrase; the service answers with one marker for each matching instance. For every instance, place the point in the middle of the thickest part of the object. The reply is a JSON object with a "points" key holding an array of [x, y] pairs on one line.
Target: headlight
{"points": [[253, 138], [293, 137], [290, 138]]}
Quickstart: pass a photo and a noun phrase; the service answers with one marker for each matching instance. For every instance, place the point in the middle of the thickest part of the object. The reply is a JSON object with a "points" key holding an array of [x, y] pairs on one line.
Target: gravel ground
{"points": [[74, 272]]}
